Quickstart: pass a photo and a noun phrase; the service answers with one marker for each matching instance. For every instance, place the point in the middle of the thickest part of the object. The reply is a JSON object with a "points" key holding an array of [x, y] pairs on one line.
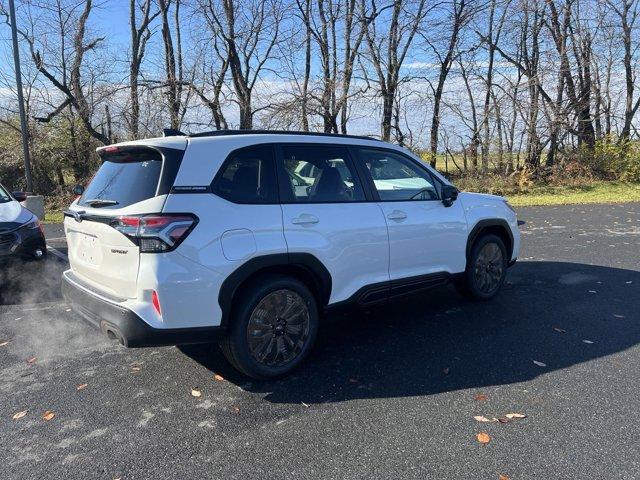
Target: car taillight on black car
{"points": [[158, 232]]}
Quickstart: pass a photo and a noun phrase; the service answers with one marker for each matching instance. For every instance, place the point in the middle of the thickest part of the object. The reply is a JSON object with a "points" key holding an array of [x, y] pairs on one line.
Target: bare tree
{"points": [[389, 38], [140, 35], [494, 30], [627, 13], [337, 55], [213, 75], [249, 29], [66, 76], [453, 23]]}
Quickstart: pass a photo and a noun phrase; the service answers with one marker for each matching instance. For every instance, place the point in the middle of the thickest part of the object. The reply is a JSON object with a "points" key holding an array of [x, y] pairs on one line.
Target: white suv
{"points": [[248, 237]]}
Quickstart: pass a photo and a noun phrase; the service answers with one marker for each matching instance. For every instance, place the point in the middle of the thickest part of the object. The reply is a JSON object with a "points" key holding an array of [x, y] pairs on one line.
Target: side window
{"points": [[248, 176], [317, 174], [397, 178]]}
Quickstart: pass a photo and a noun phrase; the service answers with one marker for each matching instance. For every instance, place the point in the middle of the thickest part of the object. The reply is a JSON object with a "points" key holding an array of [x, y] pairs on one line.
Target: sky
{"points": [[110, 18]]}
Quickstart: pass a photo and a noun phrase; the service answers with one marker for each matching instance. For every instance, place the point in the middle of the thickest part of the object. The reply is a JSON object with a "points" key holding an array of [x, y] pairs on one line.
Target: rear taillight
{"points": [[158, 232]]}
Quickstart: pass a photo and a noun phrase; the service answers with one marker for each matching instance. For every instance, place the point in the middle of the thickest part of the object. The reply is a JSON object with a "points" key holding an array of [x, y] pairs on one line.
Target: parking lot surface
{"points": [[388, 393]]}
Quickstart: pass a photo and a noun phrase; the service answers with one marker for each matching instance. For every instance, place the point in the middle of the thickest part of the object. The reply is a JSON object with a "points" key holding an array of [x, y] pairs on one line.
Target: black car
{"points": [[21, 232]]}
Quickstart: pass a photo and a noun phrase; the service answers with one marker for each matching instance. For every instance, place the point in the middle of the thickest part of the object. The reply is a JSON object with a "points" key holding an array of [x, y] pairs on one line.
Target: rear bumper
{"points": [[125, 325]]}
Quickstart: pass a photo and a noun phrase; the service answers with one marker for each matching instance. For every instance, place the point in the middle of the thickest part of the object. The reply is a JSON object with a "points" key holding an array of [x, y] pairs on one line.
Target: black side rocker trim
{"points": [[384, 291], [126, 326]]}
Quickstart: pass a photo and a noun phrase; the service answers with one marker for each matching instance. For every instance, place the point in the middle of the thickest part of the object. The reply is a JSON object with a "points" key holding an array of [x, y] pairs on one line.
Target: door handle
{"points": [[397, 215], [305, 219]]}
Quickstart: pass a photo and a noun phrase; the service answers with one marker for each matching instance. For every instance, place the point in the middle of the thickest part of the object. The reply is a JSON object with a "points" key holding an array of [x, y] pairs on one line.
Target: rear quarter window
{"points": [[124, 178]]}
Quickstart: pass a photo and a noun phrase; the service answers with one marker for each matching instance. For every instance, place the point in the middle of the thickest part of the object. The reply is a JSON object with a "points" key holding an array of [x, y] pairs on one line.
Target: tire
{"points": [[262, 342], [486, 269]]}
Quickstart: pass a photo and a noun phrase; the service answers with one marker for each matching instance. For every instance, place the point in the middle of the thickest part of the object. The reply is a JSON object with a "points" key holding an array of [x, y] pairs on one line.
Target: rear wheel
{"points": [[273, 327], [486, 269]]}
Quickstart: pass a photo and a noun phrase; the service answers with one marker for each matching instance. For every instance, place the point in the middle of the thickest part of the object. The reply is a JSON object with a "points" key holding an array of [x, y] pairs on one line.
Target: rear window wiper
{"points": [[100, 202]]}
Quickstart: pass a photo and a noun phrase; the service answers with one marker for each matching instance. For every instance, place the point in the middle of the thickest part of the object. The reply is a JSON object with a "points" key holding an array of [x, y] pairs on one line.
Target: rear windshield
{"points": [[4, 196], [124, 178]]}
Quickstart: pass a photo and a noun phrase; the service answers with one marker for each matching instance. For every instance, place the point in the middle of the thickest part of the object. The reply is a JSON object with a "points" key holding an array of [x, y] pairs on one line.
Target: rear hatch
{"points": [[132, 180]]}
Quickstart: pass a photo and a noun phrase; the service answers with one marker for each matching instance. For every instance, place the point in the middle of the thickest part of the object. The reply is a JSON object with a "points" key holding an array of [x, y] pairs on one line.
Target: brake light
{"points": [[156, 302], [156, 233]]}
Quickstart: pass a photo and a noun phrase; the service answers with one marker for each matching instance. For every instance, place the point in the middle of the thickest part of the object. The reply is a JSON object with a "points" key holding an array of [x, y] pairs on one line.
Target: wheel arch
{"points": [[496, 226], [302, 266]]}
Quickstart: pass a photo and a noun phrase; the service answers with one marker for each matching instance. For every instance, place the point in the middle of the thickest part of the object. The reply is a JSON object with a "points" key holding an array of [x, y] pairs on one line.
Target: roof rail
{"points": [[172, 132], [220, 133]]}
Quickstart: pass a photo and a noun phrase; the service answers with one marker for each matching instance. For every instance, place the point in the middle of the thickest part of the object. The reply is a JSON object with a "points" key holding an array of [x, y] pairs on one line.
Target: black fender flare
{"points": [[278, 262], [483, 225]]}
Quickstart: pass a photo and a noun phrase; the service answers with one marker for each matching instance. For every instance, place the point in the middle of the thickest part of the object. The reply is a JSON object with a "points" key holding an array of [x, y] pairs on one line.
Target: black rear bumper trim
{"points": [[125, 325]]}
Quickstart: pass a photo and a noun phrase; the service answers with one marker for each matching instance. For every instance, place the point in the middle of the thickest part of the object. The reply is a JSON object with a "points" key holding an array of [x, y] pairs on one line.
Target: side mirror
{"points": [[449, 195], [78, 190], [20, 196]]}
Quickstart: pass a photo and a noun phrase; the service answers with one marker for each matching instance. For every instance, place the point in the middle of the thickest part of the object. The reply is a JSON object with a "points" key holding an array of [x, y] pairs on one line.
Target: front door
{"points": [[425, 237], [325, 213]]}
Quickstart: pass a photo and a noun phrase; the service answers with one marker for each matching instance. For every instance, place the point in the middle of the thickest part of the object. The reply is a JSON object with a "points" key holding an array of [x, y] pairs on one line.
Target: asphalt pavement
{"points": [[389, 393]]}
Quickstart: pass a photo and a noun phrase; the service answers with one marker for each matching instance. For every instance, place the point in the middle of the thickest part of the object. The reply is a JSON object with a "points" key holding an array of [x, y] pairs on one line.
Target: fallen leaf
{"points": [[48, 415], [481, 397], [236, 409], [19, 415], [196, 393], [515, 415], [82, 386], [587, 342], [218, 378], [31, 360], [446, 371], [483, 438], [481, 418], [4, 342], [559, 330], [503, 477], [540, 364]]}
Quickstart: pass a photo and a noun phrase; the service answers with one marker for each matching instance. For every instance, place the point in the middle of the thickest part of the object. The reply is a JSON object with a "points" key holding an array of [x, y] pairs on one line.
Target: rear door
{"points": [[330, 217], [130, 181]]}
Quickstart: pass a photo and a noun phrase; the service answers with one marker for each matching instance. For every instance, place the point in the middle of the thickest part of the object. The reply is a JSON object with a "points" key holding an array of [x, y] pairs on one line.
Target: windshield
{"points": [[124, 178], [4, 196]]}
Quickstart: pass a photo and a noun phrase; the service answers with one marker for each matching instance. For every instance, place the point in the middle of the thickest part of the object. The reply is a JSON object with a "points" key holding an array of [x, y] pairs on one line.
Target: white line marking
{"points": [[58, 253]]}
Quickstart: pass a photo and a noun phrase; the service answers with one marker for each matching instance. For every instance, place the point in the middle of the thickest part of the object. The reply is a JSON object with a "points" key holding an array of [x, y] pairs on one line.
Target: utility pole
{"points": [[23, 119]]}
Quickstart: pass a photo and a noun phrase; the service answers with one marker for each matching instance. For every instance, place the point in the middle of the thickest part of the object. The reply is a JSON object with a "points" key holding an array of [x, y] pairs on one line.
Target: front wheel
{"points": [[486, 269], [273, 327]]}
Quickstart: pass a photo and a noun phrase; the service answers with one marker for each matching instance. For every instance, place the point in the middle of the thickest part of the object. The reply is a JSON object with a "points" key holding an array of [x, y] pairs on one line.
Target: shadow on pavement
{"points": [[439, 342]]}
